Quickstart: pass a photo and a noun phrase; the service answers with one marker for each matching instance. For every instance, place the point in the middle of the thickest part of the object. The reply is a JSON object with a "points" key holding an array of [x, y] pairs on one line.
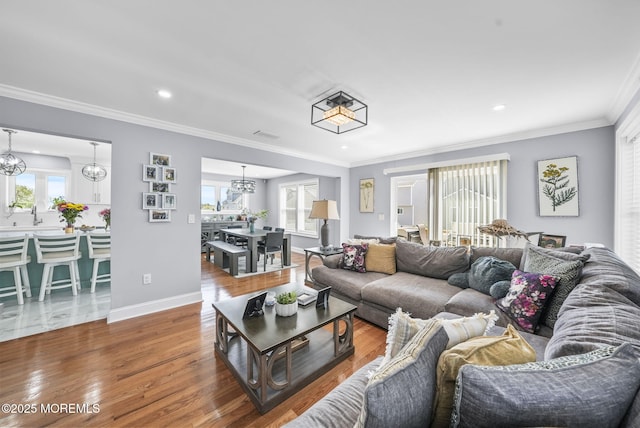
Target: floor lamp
{"points": [[325, 210]]}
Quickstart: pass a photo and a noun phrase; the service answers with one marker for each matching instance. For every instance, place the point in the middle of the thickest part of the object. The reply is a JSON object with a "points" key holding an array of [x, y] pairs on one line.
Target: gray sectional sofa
{"points": [[602, 310]]}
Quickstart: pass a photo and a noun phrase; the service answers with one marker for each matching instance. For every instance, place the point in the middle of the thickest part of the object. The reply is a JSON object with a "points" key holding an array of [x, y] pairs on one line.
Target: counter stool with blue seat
{"points": [[14, 258], [99, 245], [54, 251]]}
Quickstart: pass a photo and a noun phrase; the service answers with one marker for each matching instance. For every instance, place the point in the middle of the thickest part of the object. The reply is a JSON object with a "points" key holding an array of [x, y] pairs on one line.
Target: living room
{"points": [[50, 104]]}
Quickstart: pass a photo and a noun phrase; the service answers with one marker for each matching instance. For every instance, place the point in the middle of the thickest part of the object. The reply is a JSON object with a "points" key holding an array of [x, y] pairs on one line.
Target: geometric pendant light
{"points": [[10, 164], [93, 171]]}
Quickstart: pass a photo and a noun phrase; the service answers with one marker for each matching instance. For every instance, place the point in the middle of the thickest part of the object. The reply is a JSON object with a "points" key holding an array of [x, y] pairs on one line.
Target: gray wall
{"points": [[169, 251], [594, 148]]}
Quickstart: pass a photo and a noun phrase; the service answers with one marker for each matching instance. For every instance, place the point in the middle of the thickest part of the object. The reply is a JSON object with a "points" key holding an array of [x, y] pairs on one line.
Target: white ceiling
{"points": [[430, 71]]}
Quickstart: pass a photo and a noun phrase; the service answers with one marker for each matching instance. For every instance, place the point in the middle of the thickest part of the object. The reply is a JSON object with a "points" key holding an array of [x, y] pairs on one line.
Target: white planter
{"points": [[286, 310]]}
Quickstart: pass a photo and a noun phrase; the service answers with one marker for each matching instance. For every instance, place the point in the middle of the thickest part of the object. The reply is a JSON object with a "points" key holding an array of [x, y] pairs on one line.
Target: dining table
{"points": [[252, 243]]}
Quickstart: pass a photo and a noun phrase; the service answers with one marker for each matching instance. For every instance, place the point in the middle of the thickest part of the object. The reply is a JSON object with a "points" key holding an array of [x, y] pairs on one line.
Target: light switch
{"points": [[191, 218], [380, 217]]}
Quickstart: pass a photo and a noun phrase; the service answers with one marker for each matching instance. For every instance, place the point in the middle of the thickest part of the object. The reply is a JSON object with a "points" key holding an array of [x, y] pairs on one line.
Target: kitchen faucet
{"points": [[34, 211]]}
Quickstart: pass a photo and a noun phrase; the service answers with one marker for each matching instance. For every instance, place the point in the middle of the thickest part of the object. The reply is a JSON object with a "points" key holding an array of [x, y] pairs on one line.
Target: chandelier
{"points": [[10, 164], [244, 185], [93, 171], [339, 113]]}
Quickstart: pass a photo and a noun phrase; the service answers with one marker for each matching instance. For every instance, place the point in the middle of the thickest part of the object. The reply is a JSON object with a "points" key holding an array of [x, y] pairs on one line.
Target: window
{"points": [[627, 209], [213, 193], [208, 197], [296, 200], [463, 197], [39, 187]]}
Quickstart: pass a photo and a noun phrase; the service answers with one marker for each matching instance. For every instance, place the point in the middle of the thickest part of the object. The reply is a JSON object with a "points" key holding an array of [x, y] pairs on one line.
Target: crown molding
{"points": [[507, 138], [628, 90], [94, 110]]}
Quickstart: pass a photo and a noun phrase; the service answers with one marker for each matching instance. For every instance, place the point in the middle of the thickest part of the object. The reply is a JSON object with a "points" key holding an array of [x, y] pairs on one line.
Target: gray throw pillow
{"points": [[402, 390], [567, 267], [591, 390], [484, 272], [433, 262]]}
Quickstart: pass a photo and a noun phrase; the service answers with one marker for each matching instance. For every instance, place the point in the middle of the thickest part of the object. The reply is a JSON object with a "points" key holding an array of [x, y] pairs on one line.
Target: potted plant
{"points": [[252, 217], [287, 304]]}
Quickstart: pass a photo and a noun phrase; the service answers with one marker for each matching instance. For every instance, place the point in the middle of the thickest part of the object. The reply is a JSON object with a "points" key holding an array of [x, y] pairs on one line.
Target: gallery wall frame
{"points": [[558, 187], [159, 201], [366, 195]]}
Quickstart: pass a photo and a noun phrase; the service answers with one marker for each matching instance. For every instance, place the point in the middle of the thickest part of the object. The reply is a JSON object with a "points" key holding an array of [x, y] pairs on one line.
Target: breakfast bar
{"points": [[34, 269]]}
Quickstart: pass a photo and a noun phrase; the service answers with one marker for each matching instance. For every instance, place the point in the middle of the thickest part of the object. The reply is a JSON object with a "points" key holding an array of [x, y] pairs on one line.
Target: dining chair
{"points": [[99, 245], [423, 234], [273, 244], [268, 228], [14, 258], [58, 250]]}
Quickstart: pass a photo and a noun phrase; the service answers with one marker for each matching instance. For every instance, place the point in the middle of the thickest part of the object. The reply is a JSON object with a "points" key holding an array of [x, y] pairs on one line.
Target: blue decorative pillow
{"points": [[526, 298], [353, 257], [484, 272]]}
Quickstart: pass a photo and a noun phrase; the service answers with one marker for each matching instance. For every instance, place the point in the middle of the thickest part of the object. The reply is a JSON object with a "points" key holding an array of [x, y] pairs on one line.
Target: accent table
{"points": [[266, 355], [320, 252]]}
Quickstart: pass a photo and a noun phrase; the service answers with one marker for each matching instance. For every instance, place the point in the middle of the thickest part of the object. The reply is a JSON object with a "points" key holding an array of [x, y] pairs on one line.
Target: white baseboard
{"points": [[146, 308]]}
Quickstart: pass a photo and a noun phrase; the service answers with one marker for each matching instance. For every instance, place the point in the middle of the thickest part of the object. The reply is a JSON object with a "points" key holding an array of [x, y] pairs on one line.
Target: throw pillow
{"points": [[587, 390], [510, 348], [353, 257], [434, 262], [527, 295], [402, 328], [359, 241], [568, 254], [500, 289], [393, 396], [566, 266], [381, 258], [484, 272]]}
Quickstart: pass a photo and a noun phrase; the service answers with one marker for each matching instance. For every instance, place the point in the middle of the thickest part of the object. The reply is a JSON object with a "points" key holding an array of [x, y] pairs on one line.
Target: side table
{"points": [[319, 252]]}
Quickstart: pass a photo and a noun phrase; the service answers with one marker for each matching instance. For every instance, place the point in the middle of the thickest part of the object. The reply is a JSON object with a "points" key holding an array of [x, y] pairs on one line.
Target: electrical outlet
{"points": [[146, 278]]}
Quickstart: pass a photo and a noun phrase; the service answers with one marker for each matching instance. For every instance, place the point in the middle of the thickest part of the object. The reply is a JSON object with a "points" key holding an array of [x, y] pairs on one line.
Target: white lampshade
{"points": [[325, 209]]}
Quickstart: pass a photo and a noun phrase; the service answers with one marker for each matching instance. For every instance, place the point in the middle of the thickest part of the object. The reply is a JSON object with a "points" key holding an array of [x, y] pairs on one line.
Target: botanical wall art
{"points": [[366, 195], [160, 175], [558, 187]]}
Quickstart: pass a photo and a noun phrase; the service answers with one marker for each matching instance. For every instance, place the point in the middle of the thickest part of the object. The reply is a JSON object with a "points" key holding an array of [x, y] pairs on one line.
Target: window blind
{"points": [[628, 201], [463, 197]]}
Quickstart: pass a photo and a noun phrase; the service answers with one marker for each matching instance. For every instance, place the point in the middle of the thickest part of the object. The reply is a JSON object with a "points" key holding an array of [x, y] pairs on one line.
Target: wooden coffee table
{"points": [[273, 357]]}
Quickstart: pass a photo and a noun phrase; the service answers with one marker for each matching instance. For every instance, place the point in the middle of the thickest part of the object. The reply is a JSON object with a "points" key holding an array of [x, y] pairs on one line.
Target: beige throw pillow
{"points": [[510, 348], [381, 258]]}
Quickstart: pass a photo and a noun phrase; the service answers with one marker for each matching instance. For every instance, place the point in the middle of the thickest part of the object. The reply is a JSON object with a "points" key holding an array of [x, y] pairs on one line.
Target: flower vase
{"points": [[69, 228], [252, 227], [107, 225]]}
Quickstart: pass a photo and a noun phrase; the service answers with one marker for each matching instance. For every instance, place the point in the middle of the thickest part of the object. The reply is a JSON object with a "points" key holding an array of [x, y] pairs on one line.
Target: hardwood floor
{"points": [[156, 370]]}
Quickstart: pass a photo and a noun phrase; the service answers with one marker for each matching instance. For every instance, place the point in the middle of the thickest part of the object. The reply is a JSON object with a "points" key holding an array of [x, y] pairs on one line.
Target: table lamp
{"points": [[326, 210]]}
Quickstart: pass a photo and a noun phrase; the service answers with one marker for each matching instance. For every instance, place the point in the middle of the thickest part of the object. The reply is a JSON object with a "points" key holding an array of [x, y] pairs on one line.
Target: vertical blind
{"points": [[628, 201], [463, 197]]}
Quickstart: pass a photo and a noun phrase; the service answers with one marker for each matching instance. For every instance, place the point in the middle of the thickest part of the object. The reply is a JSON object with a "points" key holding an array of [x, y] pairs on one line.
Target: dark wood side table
{"points": [[319, 252]]}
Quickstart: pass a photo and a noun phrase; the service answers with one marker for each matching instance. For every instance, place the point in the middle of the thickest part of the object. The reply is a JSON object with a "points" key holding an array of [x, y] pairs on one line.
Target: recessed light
{"points": [[499, 107], [163, 93], [35, 151], [344, 147]]}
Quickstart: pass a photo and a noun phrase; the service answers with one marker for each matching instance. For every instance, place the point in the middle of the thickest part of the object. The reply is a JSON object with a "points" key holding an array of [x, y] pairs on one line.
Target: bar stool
{"points": [[58, 250], [13, 257], [100, 251]]}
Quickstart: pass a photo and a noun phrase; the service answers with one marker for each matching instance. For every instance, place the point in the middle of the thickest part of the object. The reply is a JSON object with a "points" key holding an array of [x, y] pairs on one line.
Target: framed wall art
{"points": [[551, 241], [366, 195], [168, 201], [558, 187], [150, 172], [169, 174], [159, 159], [151, 200], [158, 216], [159, 187]]}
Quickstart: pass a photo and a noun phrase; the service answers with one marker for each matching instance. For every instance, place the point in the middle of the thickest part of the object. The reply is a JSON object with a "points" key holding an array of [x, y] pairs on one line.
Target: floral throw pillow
{"points": [[353, 257], [526, 298]]}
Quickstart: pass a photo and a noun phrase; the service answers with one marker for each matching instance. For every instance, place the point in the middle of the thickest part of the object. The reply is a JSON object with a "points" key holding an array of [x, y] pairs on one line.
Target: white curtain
{"points": [[627, 223]]}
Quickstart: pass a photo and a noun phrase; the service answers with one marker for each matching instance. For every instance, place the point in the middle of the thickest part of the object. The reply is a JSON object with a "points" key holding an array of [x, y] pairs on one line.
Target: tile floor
{"points": [[59, 309]]}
